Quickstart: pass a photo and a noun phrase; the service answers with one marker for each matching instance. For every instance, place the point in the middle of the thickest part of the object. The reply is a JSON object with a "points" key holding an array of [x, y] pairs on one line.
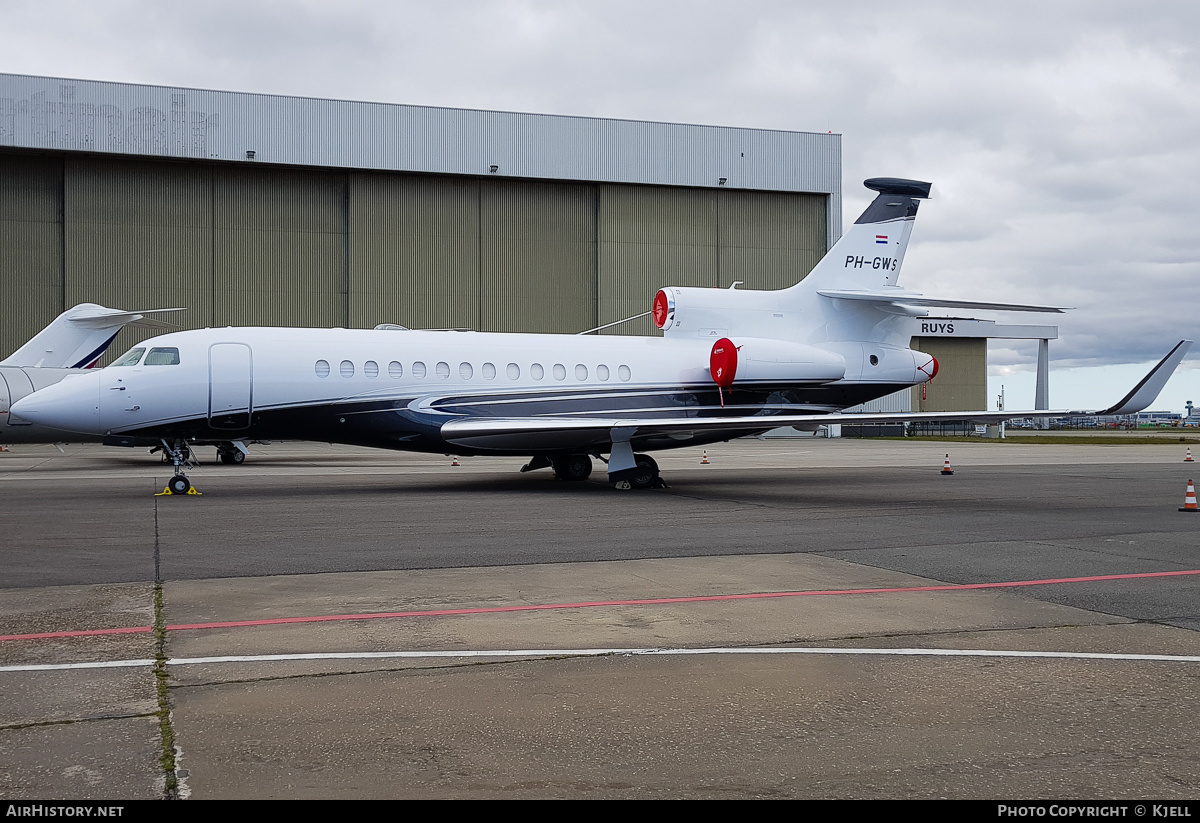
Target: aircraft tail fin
{"points": [[76, 338], [869, 255]]}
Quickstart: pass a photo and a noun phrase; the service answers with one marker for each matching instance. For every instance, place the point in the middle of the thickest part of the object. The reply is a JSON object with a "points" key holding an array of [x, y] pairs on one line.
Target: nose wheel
{"points": [[180, 455]]}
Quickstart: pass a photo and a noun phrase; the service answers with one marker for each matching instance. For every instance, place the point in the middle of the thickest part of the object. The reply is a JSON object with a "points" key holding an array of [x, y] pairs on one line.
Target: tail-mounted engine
{"points": [[687, 311], [748, 360], [754, 360]]}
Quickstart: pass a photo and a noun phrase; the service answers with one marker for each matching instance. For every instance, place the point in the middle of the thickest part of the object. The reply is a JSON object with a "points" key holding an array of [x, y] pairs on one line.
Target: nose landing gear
{"points": [[180, 455]]}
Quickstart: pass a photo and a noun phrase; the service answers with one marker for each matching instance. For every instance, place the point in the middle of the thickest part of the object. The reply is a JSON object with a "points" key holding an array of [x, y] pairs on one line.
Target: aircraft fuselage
{"points": [[395, 388]]}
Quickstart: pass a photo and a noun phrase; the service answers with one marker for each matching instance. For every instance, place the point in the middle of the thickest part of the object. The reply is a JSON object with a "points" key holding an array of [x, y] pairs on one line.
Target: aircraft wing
{"points": [[551, 432], [580, 432], [901, 297]]}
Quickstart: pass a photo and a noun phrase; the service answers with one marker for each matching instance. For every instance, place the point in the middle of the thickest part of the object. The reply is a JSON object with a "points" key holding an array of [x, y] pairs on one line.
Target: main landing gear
{"points": [[643, 474], [229, 454], [572, 467]]}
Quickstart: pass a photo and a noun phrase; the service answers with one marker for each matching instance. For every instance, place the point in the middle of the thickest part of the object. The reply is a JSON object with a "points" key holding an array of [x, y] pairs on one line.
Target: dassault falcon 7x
{"points": [[730, 362]]}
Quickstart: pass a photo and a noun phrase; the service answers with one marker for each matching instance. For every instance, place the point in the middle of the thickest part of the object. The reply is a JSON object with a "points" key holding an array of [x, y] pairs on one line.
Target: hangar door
{"points": [[229, 386]]}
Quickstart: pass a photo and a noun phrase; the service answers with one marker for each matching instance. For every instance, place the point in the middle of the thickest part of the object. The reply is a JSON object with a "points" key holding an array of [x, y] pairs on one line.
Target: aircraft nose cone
{"points": [[70, 405]]}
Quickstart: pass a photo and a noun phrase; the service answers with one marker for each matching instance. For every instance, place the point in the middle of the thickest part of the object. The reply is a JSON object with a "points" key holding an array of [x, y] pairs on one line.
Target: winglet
{"points": [[1143, 394]]}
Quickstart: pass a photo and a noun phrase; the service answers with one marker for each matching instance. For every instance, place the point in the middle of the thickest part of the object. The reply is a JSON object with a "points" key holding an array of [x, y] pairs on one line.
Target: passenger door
{"points": [[230, 386]]}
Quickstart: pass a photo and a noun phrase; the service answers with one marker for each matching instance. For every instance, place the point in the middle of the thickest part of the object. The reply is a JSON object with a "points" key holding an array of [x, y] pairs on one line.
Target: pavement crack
{"points": [[38, 724], [166, 731]]}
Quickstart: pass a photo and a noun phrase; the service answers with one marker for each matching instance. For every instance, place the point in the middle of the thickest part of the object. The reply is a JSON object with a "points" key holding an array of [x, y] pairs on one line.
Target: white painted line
{"points": [[544, 653], [102, 664]]}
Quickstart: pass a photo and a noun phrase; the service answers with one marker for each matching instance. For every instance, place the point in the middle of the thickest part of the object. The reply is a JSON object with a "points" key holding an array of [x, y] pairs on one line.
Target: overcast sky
{"points": [[1061, 137]]}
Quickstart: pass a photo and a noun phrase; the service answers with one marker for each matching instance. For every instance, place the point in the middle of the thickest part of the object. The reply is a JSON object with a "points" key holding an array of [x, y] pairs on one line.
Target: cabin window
{"points": [[419, 370], [163, 357], [536, 371], [624, 373], [347, 368], [489, 371], [443, 369], [465, 371], [560, 371], [322, 368], [130, 358], [513, 370], [581, 372], [395, 370], [371, 369], [602, 372]]}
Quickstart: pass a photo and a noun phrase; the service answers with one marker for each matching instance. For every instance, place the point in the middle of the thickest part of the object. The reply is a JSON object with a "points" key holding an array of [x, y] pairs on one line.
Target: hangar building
{"points": [[251, 209]]}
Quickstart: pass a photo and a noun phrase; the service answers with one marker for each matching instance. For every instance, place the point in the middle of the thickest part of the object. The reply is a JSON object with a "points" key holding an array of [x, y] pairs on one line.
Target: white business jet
{"points": [[74, 341], [730, 362]]}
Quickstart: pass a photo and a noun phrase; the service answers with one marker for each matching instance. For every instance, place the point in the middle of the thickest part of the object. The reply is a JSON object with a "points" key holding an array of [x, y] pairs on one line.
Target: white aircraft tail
{"points": [[76, 338], [851, 295], [869, 255]]}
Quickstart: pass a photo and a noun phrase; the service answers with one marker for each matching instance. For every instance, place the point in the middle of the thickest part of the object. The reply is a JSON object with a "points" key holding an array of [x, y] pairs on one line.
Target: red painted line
{"points": [[658, 601]]}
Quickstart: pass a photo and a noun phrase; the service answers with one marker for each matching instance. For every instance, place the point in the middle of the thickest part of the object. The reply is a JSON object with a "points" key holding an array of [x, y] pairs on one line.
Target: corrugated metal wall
{"points": [[650, 238], [47, 113], [279, 247], [138, 235], [961, 382], [767, 237], [537, 256], [241, 245], [31, 243], [414, 251]]}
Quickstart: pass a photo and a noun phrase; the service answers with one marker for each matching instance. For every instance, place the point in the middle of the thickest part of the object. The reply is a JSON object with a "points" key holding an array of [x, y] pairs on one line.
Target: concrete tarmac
{"points": [[502, 587]]}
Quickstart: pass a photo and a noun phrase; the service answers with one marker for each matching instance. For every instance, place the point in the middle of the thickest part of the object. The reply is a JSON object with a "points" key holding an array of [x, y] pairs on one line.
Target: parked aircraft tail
{"points": [[76, 338], [869, 255]]}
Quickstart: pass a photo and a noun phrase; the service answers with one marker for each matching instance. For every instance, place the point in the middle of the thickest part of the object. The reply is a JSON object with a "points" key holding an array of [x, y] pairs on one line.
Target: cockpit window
{"points": [[163, 357], [130, 358]]}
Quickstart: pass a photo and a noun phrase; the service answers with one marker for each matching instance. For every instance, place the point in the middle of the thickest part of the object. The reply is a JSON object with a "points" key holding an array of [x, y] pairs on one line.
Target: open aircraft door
{"points": [[230, 386]]}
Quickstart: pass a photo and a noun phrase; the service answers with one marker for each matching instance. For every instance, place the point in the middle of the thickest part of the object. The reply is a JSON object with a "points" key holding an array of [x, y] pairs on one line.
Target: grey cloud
{"points": [[1060, 136]]}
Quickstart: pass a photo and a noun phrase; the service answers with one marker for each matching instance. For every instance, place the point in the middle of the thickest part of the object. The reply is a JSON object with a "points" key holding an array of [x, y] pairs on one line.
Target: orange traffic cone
{"points": [[455, 463], [1189, 502], [946, 469], [1189, 459], [704, 460]]}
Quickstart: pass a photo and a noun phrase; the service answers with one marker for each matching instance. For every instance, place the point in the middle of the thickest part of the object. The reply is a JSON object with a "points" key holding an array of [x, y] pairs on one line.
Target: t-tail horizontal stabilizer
{"points": [[894, 296]]}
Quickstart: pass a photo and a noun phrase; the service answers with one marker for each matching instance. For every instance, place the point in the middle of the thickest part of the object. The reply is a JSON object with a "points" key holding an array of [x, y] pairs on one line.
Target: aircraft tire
{"points": [[179, 484], [647, 472], [231, 457], [573, 467]]}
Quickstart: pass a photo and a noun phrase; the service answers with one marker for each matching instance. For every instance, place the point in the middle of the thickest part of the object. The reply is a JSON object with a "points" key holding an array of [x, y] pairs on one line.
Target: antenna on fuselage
{"points": [[610, 325]]}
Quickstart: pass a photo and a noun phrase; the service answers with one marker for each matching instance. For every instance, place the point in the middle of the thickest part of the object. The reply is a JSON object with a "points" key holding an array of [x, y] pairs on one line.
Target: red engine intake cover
{"points": [[722, 362], [661, 309], [930, 368]]}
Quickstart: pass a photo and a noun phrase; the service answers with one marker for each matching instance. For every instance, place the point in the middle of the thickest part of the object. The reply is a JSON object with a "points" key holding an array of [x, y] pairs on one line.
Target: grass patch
{"points": [[1056, 440], [167, 734]]}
